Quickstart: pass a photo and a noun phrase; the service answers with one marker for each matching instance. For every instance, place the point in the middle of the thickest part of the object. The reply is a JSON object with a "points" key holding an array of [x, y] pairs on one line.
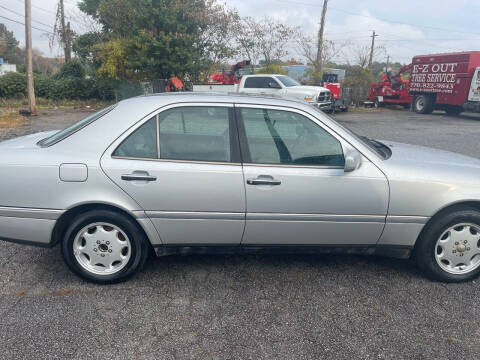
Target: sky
{"points": [[405, 27]]}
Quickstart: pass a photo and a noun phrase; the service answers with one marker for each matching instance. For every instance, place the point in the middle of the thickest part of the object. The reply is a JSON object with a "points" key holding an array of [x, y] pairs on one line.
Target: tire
{"points": [[423, 104], [443, 239], [378, 104], [453, 109], [107, 237]]}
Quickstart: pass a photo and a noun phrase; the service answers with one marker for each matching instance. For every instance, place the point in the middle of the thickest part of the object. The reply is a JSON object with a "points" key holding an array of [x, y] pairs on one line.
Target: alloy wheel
{"points": [[102, 248], [457, 250]]}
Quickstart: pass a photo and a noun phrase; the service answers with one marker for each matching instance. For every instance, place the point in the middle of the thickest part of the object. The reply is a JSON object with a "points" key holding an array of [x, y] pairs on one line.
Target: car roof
{"points": [[162, 99]]}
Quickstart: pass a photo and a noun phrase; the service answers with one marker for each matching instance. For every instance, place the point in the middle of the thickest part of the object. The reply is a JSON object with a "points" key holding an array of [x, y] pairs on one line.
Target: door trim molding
{"points": [[195, 215], [207, 215], [317, 217]]}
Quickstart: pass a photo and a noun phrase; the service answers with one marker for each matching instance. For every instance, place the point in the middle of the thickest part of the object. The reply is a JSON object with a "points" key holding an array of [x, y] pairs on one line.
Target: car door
{"points": [[297, 190], [183, 168]]}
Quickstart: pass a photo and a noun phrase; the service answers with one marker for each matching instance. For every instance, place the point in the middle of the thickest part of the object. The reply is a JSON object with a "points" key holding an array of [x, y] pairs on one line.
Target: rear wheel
{"points": [[449, 249], [103, 246], [423, 104]]}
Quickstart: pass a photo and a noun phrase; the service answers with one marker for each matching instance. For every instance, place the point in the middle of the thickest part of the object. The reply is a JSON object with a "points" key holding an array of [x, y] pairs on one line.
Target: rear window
{"points": [[62, 134]]}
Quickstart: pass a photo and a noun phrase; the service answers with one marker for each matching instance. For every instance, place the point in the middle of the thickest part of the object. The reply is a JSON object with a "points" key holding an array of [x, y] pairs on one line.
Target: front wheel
{"points": [[103, 246], [449, 248]]}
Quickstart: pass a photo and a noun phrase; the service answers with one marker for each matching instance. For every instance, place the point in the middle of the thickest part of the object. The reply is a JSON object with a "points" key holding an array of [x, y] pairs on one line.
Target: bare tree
{"points": [[307, 47], [221, 31], [361, 54], [265, 38]]}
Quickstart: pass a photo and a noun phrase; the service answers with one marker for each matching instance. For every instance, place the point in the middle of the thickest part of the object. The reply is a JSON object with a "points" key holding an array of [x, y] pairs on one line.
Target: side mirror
{"points": [[353, 159], [273, 85]]}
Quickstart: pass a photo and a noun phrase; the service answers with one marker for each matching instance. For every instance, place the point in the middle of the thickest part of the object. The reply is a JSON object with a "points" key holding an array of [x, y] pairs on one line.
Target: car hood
{"points": [[419, 162], [26, 141], [315, 90]]}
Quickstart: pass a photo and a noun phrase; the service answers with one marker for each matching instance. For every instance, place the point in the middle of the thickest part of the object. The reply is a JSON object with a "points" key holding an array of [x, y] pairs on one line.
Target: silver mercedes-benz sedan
{"points": [[189, 173]]}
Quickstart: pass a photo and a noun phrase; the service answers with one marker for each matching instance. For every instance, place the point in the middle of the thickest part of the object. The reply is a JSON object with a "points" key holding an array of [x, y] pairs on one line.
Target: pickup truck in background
{"points": [[276, 85]]}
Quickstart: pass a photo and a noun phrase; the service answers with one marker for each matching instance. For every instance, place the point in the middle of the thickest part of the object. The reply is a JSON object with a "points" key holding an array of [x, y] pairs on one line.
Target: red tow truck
{"points": [[449, 82]]}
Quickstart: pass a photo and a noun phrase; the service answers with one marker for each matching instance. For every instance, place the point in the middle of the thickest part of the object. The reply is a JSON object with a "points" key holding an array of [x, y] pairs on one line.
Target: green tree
{"points": [[357, 82], [153, 38], [10, 44]]}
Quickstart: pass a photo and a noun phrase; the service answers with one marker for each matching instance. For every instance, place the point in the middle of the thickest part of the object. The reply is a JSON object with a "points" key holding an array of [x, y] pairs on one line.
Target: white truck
{"points": [[277, 85]]}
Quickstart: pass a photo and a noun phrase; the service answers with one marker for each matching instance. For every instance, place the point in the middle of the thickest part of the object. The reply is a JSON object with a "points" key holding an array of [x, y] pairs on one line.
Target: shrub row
{"points": [[56, 87]]}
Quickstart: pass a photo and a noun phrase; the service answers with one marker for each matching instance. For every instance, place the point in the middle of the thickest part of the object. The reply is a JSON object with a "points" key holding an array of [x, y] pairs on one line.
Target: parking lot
{"points": [[246, 307]]}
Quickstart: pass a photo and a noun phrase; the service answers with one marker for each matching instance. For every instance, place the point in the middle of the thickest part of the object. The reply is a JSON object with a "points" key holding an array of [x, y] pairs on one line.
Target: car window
{"points": [[284, 137], [260, 82], [198, 133], [142, 143]]}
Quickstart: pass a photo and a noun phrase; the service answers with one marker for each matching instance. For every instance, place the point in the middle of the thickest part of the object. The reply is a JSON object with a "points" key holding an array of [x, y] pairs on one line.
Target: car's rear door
{"points": [[297, 190], [182, 166]]}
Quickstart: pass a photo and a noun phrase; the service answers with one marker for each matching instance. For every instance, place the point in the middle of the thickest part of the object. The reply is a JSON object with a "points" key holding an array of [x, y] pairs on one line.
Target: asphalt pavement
{"points": [[246, 307]]}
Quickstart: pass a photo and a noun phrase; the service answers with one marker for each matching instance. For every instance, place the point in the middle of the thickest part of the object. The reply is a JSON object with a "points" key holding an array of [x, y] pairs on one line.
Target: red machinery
{"points": [[231, 76], [331, 82], [392, 89]]}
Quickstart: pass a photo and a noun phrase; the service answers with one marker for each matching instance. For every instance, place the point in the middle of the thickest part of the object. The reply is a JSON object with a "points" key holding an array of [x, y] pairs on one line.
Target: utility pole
{"points": [[65, 34], [318, 64], [28, 46], [372, 48]]}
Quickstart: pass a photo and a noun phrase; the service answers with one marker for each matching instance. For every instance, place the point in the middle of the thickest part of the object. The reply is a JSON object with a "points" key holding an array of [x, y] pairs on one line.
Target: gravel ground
{"points": [[246, 307]]}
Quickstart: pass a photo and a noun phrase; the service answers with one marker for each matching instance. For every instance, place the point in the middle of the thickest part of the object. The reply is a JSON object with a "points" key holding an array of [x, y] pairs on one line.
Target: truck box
{"points": [[447, 81]]}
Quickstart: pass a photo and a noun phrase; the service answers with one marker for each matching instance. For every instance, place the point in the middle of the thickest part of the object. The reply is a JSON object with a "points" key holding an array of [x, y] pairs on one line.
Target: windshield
{"points": [[62, 134], [287, 81]]}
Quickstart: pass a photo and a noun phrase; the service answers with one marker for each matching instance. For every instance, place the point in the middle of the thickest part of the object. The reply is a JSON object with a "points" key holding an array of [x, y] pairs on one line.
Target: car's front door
{"points": [[297, 190], [183, 168]]}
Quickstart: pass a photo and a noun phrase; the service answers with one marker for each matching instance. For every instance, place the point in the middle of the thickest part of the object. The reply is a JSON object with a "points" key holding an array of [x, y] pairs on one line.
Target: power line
{"points": [[21, 23], [22, 15], [377, 18]]}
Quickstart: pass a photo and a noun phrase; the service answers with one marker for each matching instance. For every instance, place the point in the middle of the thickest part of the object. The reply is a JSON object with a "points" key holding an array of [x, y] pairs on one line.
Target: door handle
{"points": [[263, 181], [139, 176]]}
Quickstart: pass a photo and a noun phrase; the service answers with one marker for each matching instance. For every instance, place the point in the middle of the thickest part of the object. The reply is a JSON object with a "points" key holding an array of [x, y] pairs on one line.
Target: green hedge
{"points": [[13, 84], [69, 83]]}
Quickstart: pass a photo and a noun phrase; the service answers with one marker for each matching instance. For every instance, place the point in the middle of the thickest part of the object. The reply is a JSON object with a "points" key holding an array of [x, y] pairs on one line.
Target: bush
{"points": [[13, 84], [357, 83], [70, 88], [103, 89], [73, 69], [271, 69], [44, 85]]}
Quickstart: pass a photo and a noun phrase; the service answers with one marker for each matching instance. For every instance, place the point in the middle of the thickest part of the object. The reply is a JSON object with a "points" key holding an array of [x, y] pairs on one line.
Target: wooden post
{"points": [[319, 64], [28, 46], [372, 49]]}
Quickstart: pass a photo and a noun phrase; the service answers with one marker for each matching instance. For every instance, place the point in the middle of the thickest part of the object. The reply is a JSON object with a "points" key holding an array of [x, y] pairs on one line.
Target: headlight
{"points": [[308, 98]]}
